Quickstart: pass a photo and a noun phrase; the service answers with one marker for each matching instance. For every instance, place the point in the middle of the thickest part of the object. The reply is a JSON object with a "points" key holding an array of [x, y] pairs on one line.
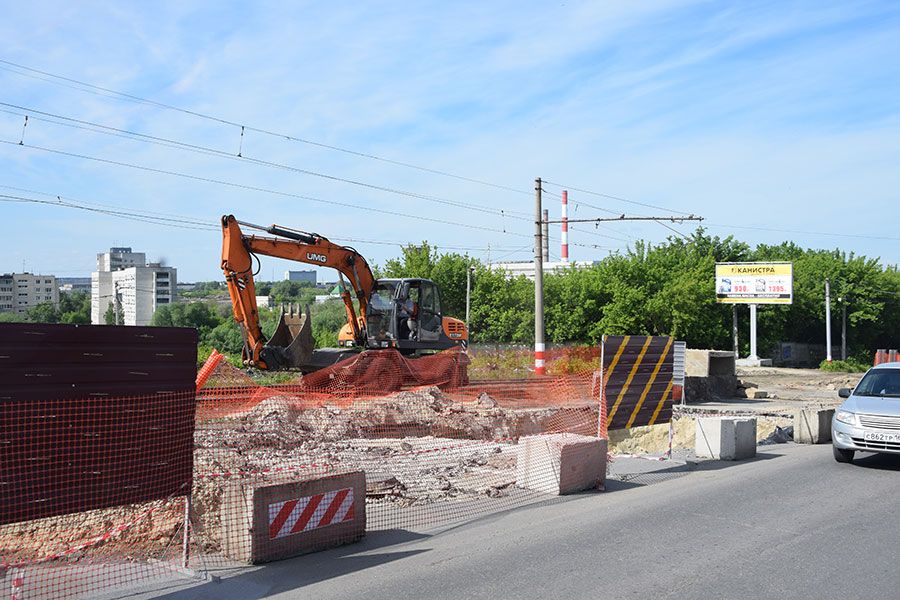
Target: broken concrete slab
{"points": [[812, 425], [725, 438], [709, 374]]}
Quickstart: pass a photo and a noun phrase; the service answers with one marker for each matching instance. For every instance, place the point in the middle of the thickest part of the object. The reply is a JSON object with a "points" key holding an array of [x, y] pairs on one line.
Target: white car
{"points": [[869, 418]]}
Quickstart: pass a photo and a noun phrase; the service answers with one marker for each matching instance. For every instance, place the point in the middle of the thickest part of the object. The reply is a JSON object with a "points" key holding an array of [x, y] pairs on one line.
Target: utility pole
{"points": [[469, 269], [538, 282], [827, 320], [117, 304]]}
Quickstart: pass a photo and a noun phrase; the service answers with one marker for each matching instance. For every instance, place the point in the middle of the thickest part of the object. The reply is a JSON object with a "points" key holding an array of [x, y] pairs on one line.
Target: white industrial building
{"points": [[301, 276], [526, 268], [133, 287], [20, 292]]}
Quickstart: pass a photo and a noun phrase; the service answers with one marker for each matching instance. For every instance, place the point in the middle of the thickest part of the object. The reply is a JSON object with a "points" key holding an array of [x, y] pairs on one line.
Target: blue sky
{"points": [[773, 115]]}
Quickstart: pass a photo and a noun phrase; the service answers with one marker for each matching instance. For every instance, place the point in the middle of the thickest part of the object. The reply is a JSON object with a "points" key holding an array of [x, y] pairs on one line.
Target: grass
{"points": [[850, 365]]}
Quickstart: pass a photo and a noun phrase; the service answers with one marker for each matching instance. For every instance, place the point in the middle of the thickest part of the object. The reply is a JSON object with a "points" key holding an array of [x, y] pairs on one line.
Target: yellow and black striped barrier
{"points": [[637, 380]]}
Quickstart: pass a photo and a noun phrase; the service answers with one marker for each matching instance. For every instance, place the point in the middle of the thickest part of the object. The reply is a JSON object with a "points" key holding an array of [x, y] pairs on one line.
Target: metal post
{"points": [[827, 320], [671, 437], [564, 234], [753, 355], [468, 293], [538, 283], [186, 540], [734, 331], [546, 235], [844, 329]]}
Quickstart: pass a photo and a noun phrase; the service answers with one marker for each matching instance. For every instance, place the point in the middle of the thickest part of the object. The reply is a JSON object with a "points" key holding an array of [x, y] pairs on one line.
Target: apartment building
{"points": [[22, 291], [133, 287]]}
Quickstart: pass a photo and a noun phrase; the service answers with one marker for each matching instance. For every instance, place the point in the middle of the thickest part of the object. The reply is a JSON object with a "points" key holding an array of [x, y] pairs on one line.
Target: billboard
{"points": [[755, 283]]}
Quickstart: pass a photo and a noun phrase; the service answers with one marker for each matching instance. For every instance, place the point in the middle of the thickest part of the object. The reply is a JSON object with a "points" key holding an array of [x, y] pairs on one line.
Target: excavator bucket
{"points": [[292, 345]]}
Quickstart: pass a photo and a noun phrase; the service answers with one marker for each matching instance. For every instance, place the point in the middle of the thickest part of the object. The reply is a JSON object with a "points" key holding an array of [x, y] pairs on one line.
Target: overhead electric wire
{"points": [[108, 92], [151, 217], [619, 198], [669, 227], [119, 214], [149, 213], [795, 231], [255, 188], [100, 128], [82, 86], [715, 225]]}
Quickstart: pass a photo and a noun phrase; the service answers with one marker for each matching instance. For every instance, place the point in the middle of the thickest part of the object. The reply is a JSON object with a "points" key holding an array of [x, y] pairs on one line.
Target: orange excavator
{"points": [[402, 314]]}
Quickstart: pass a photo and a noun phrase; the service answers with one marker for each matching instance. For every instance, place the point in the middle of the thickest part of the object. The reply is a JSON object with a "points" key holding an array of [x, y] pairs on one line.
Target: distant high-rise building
{"points": [[132, 287], [74, 284], [301, 276], [120, 258], [22, 291]]}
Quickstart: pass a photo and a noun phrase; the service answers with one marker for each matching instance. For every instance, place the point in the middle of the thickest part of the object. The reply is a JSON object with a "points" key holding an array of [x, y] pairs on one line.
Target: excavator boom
{"points": [[292, 343]]}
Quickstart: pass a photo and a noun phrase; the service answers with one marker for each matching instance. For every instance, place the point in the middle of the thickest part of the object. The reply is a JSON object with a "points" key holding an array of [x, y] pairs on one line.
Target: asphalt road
{"points": [[791, 524]]}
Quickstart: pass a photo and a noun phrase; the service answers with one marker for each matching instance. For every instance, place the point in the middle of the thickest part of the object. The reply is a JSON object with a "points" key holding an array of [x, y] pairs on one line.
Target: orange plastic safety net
{"points": [[379, 441], [436, 436]]}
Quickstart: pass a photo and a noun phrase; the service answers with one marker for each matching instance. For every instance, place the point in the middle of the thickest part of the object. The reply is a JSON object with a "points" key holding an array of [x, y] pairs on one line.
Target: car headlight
{"points": [[845, 416]]}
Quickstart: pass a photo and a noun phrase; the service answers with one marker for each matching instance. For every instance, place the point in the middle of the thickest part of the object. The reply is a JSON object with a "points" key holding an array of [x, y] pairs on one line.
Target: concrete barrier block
{"points": [[709, 374], [813, 425], [725, 438], [561, 463], [265, 521]]}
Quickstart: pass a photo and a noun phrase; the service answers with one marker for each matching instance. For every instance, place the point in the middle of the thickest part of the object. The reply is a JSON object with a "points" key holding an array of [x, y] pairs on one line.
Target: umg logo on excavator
{"points": [[319, 257]]}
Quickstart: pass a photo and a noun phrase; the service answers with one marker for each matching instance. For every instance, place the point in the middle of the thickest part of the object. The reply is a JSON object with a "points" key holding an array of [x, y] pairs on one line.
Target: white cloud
{"points": [[735, 113]]}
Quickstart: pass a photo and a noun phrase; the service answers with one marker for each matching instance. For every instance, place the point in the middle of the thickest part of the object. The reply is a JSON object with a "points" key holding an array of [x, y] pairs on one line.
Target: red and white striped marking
{"points": [[312, 512], [539, 365]]}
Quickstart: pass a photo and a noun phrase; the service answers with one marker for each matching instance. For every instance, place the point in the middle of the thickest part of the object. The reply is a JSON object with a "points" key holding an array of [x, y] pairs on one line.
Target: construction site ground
{"points": [[426, 483]]}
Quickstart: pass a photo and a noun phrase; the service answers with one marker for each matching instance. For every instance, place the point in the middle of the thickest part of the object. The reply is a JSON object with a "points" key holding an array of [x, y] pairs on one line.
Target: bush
{"points": [[844, 366]]}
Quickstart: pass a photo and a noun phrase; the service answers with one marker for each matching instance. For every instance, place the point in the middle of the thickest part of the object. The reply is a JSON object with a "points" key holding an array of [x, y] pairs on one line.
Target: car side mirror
{"points": [[844, 392]]}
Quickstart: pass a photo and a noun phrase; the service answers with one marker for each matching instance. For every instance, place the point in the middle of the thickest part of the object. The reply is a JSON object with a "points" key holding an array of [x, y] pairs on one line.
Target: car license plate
{"points": [[874, 436]]}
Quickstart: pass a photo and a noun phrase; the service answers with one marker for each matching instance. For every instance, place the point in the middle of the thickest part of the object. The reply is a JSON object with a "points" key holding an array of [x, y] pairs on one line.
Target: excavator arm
{"points": [[238, 251]]}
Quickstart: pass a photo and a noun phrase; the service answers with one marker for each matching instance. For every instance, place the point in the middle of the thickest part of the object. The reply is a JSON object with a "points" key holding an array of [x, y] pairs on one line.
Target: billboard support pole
{"points": [[828, 320], [753, 355], [734, 330]]}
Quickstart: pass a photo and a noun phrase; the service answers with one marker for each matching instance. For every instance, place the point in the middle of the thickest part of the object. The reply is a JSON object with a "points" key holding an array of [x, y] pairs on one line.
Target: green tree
{"points": [[45, 312], [193, 314], [114, 315], [502, 309], [75, 308]]}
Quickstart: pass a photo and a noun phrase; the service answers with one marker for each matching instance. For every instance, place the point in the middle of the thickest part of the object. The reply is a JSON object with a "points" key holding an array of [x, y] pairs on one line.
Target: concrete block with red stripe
{"points": [[265, 521], [561, 463]]}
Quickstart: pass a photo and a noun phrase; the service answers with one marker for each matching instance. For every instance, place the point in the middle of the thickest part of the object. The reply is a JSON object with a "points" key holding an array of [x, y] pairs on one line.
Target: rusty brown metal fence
{"points": [[637, 380]]}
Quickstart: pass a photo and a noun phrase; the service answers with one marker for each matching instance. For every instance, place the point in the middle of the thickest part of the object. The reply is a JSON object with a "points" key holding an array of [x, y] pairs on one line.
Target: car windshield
{"points": [[879, 382]]}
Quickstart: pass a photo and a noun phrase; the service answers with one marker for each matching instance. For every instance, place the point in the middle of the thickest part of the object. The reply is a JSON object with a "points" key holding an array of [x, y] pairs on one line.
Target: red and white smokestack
{"points": [[564, 253]]}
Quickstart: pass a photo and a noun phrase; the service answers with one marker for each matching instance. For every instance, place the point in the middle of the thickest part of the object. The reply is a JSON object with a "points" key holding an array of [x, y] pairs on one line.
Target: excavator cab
{"points": [[406, 314]]}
